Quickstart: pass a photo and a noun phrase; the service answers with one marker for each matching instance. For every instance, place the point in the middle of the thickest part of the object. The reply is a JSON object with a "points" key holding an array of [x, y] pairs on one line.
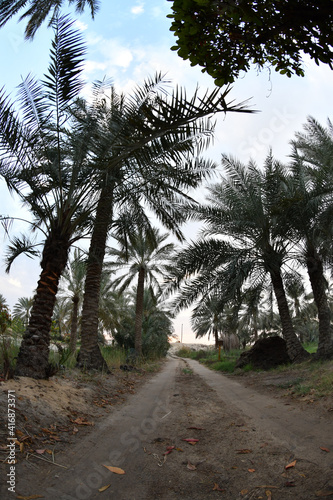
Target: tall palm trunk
{"points": [[33, 357], [73, 336], [215, 331], [319, 286], [90, 356], [295, 349], [139, 311]]}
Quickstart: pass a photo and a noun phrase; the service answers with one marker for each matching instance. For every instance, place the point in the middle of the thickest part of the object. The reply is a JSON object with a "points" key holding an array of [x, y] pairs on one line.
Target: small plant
{"points": [[8, 347], [184, 352], [114, 356], [187, 371]]}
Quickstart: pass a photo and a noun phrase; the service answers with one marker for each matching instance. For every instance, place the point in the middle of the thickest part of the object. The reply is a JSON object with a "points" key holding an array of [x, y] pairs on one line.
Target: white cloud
{"points": [[138, 9], [80, 25], [116, 54], [15, 282]]}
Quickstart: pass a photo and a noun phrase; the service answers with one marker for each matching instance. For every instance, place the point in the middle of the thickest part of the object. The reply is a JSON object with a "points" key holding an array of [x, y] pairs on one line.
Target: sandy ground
{"points": [[185, 432]]}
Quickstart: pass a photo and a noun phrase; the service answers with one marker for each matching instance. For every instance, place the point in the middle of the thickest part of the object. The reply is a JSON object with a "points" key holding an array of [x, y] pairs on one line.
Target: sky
{"points": [[129, 41]]}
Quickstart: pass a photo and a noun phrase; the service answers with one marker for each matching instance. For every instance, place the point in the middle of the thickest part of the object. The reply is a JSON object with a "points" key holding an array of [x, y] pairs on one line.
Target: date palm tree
{"points": [[45, 160], [38, 10], [22, 309], [72, 284], [143, 255], [241, 242], [152, 141], [308, 212], [207, 317]]}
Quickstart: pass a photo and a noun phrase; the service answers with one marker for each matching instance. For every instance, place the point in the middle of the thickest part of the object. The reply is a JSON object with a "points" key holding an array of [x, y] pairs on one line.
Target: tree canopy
{"points": [[226, 36]]}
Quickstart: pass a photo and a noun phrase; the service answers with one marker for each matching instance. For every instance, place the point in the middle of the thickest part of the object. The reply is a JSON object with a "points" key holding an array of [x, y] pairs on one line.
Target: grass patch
{"points": [[309, 377], [210, 358], [226, 365], [185, 352], [187, 371], [114, 356]]}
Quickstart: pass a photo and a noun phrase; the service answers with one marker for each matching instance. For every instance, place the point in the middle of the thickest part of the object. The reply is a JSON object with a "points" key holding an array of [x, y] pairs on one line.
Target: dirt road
{"points": [[244, 442]]}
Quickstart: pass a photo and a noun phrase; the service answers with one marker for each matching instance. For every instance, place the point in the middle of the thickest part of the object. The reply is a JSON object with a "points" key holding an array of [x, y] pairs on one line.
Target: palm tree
{"points": [[143, 255], [242, 242], [38, 11], [72, 284], [207, 317], [157, 324], [309, 212], [151, 145], [251, 309], [113, 306], [45, 159], [22, 310]]}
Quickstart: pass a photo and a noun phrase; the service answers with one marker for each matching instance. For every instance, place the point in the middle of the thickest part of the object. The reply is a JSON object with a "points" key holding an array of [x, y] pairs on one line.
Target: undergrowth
{"points": [[313, 378]]}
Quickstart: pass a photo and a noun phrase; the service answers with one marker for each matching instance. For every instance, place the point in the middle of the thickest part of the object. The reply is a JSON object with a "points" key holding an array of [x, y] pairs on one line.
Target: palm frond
{"points": [[63, 80], [38, 11], [20, 245]]}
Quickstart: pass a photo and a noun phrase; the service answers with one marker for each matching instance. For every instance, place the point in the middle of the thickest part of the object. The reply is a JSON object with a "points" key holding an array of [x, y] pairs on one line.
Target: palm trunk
{"points": [[90, 356], [139, 311], [216, 336], [318, 285], [33, 357], [295, 349], [73, 337]]}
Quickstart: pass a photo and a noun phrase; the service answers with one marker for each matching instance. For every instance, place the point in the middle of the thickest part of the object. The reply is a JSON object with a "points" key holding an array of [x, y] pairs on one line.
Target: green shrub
{"points": [[184, 352], [114, 356]]}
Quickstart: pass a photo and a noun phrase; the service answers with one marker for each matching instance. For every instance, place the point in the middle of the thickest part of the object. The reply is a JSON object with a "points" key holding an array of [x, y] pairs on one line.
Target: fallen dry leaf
{"points": [[115, 470], [197, 428], [244, 492], [323, 493], [217, 488], [190, 440], [81, 421], [268, 495], [243, 452], [191, 466], [104, 488], [251, 470], [292, 464], [48, 431], [324, 449], [290, 484], [40, 452]]}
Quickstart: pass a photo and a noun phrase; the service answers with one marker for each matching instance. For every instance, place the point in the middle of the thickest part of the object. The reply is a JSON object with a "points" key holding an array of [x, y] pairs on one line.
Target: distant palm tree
{"points": [[242, 241], [72, 285], [3, 301], [38, 11], [144, 256], [207, 317], [22, 309]]}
